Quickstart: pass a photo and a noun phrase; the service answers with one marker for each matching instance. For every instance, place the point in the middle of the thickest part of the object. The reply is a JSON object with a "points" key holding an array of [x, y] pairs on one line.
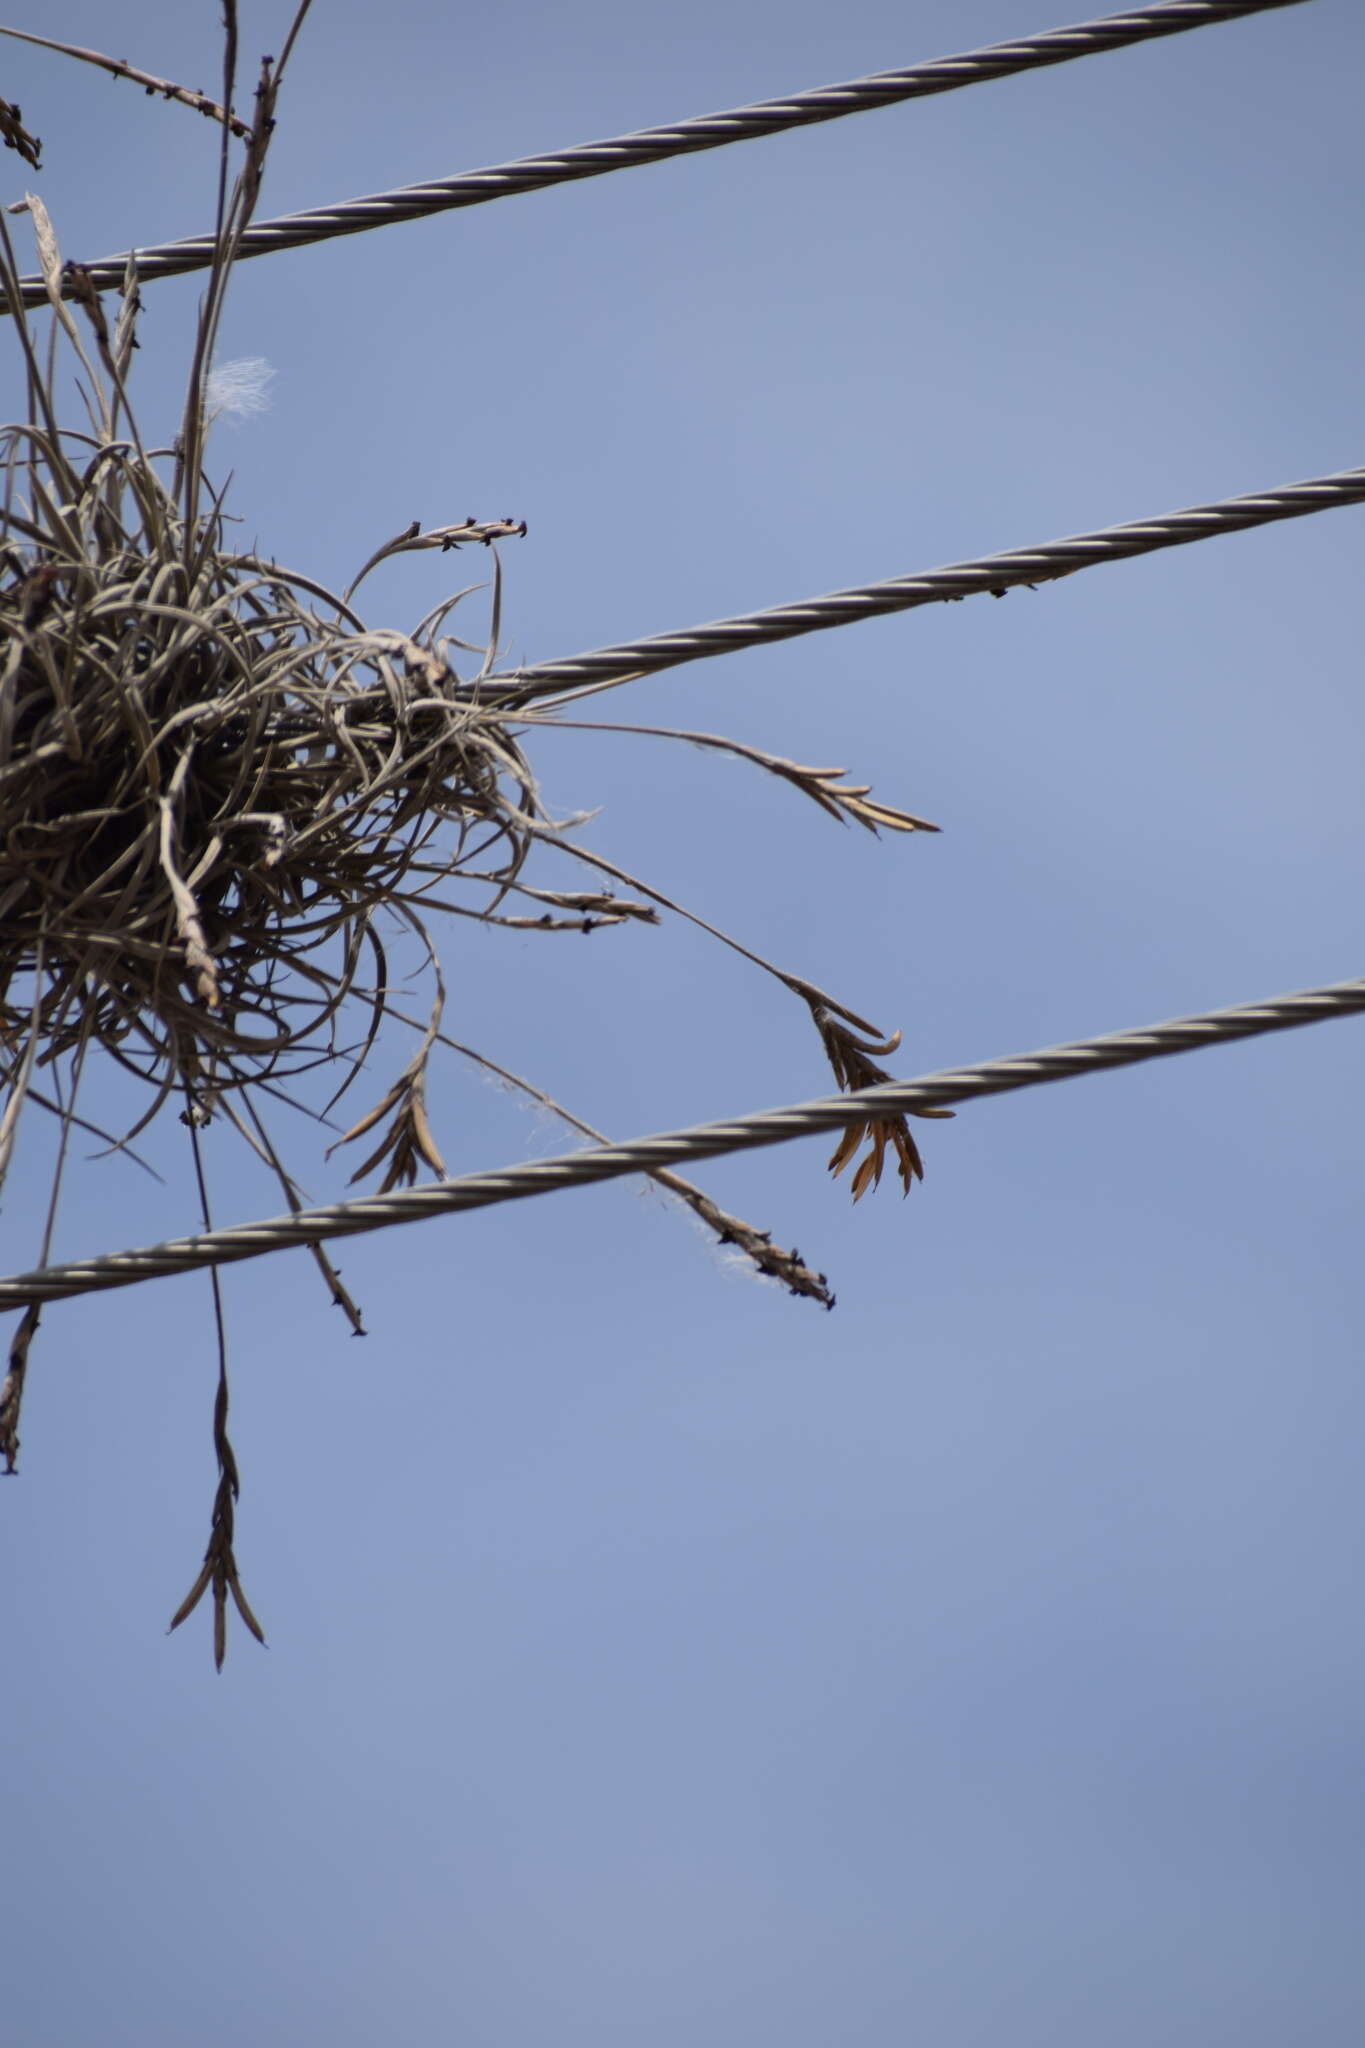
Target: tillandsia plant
{"points": [[222, 793]]}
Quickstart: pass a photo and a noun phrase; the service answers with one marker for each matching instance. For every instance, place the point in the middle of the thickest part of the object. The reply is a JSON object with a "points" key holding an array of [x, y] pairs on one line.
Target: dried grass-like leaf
{"points": [[822, 785], [50, 263], [188, 923]]}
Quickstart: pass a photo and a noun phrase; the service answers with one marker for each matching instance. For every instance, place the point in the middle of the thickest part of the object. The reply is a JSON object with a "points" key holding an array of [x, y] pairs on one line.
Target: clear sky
{"points": [[655, 1658]]}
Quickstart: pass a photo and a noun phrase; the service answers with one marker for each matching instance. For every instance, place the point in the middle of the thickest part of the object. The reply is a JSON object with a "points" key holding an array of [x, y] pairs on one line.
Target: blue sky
{"points": [[653, 1657]]}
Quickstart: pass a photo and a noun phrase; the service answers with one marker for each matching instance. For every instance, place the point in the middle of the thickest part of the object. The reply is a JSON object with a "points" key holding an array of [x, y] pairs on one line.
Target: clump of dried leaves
{"points": [[220, 792]]}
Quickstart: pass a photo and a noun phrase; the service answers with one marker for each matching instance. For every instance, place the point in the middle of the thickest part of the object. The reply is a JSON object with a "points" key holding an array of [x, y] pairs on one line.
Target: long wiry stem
{"points": [[219, 1569]]}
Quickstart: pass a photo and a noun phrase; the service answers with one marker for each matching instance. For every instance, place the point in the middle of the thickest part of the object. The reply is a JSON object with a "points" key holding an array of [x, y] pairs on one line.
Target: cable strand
{"points": [[683, 138], [994, 573], [672, 1148]]}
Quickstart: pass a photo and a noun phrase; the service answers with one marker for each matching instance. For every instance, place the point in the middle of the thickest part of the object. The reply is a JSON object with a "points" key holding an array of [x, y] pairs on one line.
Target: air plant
{"points": [[222, 793]]}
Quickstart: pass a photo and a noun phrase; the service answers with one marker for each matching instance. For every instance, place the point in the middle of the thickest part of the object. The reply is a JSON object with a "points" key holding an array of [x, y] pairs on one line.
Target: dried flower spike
{"points": [[854, 1068]]}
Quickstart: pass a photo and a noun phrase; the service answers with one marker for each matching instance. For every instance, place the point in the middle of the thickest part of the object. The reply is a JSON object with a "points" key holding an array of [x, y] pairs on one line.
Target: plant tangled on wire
{"points": [[221, 792]]}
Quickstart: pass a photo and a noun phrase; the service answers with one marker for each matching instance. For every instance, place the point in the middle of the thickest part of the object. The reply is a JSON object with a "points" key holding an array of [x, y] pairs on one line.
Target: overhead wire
{"points": [[993, 573], [671, 1148], [682, 138]]}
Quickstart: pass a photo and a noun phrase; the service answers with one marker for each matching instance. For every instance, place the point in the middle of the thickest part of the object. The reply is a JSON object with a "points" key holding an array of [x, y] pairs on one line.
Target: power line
{"points": [[993, 573], [684, 138], [672, 1148]]}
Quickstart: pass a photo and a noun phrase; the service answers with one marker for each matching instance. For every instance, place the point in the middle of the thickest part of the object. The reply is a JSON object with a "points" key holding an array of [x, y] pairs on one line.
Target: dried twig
{"points": [[412, 540], [14, 135], [773, 1261], [12, 1386], [119, 67]]}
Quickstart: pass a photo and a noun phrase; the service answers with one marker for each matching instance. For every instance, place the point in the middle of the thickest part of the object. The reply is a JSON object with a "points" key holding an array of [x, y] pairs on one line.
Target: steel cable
{"points": [[673, 1148], [683, 138], [993, 573]]}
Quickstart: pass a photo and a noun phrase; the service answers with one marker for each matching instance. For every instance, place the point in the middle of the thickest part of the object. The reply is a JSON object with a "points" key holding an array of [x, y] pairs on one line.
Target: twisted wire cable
{"points": [[673, 1148], [993, 573], [684, 138]]}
